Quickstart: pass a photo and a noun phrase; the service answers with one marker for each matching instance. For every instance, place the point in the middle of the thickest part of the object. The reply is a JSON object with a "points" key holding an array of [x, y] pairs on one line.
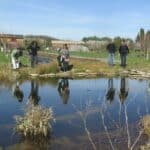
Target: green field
{"points": [[134, 59]]}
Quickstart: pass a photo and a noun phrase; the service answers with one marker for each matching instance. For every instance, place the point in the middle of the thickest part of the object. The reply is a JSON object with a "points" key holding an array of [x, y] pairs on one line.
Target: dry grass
{"points": [[47, 68], [93, 67], [35, 122], [6, 74], [146, 125]]}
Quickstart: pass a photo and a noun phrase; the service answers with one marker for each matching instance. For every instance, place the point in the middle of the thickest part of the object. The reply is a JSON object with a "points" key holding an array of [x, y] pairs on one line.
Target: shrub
{"points": [[35, 122]]}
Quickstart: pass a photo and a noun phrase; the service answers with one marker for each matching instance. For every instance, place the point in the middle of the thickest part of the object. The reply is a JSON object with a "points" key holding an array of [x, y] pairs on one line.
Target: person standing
{"points": [[33, 48], [111, 50], [65, 57], [123, 50]]}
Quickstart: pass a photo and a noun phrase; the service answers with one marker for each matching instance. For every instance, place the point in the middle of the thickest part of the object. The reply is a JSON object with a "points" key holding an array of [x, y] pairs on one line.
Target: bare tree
{"points": [[147, 44], [142, 38]]}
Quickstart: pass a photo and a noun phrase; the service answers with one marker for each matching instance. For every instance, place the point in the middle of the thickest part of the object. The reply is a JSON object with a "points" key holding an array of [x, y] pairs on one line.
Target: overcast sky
{"points": [[74, 19]]}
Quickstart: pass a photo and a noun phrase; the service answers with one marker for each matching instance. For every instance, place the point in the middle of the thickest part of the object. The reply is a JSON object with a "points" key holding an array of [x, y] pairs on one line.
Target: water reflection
{"points": [[63, 89], [34, 97], [31, 144], [123, 90], [110, 91], [105, 122], [17, 92], [148, 87]]}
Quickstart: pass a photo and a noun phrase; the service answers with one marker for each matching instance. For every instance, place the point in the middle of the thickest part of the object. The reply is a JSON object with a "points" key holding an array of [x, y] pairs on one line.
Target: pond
{"points": [[90, 113]]}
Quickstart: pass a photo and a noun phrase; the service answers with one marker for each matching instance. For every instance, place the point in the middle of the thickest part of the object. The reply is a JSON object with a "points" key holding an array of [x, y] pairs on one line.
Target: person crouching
{"points": [[15, 58], [15, 53]]}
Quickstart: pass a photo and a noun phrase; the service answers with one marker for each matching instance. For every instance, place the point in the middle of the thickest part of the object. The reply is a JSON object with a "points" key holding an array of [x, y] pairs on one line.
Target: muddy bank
{"points": [[127, 73]]}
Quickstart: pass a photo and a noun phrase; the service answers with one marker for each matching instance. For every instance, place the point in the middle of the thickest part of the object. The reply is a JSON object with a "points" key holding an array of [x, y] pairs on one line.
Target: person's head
{"points": [[13, 39], [65, 46], [123, 41], [13, 43], [20, 52], [34, 43]]}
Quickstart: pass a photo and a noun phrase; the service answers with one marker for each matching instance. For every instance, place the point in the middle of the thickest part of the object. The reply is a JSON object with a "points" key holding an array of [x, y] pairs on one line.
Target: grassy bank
{"points": [[134, 61]]}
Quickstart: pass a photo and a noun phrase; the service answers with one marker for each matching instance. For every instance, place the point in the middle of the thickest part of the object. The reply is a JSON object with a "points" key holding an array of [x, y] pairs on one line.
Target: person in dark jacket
{"points": [[123, 50], [111, 50], [33, 48]]}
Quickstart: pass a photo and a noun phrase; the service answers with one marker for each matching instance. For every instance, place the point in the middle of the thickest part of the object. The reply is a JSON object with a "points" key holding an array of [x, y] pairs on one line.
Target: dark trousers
{"points": [[34, 60], [65, 66], [123, 59]]}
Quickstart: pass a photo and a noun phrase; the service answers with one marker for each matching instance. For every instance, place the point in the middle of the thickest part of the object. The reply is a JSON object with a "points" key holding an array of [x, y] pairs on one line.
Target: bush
{"points": [[35, 122]]}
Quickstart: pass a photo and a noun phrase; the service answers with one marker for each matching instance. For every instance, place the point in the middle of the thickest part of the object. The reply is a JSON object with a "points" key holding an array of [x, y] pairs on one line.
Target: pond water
{"points": [[90, 113]]}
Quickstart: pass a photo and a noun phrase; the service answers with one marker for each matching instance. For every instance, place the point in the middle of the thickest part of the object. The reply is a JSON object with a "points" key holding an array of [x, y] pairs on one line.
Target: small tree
{"points": [[117, 41]]}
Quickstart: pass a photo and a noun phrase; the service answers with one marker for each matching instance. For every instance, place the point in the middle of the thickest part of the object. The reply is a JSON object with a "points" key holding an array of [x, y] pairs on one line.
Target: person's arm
{"points": [[127, 49], [120, 49], [38, 48], [29, 49], [114, 48], [107, 47]]}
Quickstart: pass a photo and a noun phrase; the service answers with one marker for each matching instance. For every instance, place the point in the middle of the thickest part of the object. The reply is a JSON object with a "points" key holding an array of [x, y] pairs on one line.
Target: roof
{"points": [[66, 42], [17, 36]]}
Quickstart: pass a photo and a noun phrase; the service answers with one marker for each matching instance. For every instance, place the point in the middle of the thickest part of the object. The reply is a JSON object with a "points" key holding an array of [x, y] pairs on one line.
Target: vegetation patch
{"points": [[35, 122], [145, 128], [47, 68], [146, 125]]}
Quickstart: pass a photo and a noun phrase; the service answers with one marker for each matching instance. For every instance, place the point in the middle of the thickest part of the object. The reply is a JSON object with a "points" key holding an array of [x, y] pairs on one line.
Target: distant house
{"points": [[59, 43], [6, 38], [96, 45]]}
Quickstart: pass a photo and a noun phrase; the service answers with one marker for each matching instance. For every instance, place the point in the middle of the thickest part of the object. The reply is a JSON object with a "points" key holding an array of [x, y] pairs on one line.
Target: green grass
{"points": [[134, 59], [25, 60], [4, 58], [90, 54]]}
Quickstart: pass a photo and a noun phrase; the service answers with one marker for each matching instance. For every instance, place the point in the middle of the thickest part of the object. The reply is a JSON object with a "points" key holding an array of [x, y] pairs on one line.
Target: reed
{"points": [[35, 122]]}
